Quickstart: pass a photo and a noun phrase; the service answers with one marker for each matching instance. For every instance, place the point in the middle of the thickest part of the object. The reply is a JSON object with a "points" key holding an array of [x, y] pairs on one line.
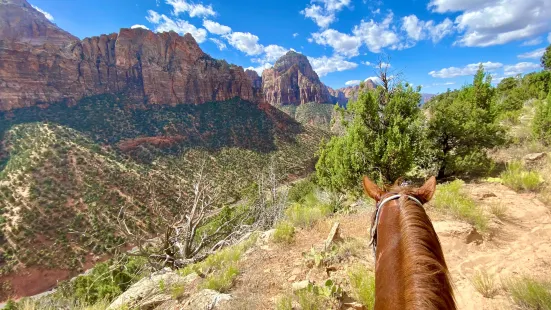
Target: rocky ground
{"points": [[517, 244]]}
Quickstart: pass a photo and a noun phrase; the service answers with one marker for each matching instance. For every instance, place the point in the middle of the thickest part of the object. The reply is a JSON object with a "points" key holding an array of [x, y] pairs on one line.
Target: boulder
{"points": [[534, 157], [205, 299], [151, 291], [297, 286], [334, 236]]}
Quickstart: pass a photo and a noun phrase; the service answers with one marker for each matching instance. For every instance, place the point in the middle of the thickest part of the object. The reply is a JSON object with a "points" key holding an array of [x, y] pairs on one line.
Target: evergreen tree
{"points": [[546, 59], [463, 126], [541, 125], [381, 138]]}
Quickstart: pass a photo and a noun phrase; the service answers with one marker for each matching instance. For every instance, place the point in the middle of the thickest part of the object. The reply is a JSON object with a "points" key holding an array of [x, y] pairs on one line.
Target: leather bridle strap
{"points": [[380, 206]]}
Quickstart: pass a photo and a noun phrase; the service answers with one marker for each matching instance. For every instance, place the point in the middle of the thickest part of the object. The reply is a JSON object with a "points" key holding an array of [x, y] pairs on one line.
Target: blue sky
{"points": [[434, 43]]}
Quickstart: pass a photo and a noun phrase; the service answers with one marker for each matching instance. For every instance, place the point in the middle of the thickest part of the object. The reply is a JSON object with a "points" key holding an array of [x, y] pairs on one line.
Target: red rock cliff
{"points": [[39, 62], [293, 81]]}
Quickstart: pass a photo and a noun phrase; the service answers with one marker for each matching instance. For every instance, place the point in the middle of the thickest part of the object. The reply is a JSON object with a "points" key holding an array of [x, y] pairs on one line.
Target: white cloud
{"points": [[216, 28], [46, 14], [413, 26], [375, 79], [443, 84], [221, 45], [245, 42], [163, 23], [521, 67], [139, 26], [443, 6], [535, 41], [495, 22], [352, 83], [323, 15], [385, 64], [377, 35], [419, 30], [342, 43], [533, 54], [260, 69], [273, 52], [465, 71], [325, 65], [153, 17], [183, 6], [295, 34], [367, 63]]}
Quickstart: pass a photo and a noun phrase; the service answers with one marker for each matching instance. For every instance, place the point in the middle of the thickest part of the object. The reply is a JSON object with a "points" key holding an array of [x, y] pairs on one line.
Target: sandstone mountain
{"points": [[40, 63], [293, 81]]}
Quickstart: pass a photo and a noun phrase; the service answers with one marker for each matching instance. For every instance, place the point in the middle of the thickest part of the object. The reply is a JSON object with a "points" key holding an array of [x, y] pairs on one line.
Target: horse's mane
{"points": [[427, 280]]}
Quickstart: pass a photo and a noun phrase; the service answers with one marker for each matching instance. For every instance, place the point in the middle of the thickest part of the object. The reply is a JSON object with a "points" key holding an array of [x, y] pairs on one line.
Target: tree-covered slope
{"points": [[68, 171]]}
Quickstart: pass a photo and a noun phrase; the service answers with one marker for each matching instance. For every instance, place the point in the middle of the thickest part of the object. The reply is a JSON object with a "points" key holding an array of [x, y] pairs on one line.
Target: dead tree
{"points": [[179, 239]]}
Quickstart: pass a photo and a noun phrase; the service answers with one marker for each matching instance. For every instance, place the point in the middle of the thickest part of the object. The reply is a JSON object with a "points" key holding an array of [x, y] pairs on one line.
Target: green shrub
{"points": [[222, 280], [529, 293], [284, 303], [219, 260], [518, 178], [302, 215], [541, 124], [284, 233], [450, 198], [300, 189], [106, 281], [362, 282], [310, 301]]}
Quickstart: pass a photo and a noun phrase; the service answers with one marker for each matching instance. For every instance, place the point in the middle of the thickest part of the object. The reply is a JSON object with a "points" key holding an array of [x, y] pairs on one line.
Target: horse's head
{"points": [[390, 195], [423, 194], [410, 269]]}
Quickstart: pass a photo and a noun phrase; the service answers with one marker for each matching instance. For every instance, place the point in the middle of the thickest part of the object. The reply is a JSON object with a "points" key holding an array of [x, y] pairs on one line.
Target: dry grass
{"points": [[451, 199], [499, 210], [484, 284], [529, 293], [521, 179]]}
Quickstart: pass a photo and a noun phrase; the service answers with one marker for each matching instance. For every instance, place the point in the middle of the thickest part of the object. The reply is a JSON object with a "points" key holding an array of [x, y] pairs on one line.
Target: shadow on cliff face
{"points": [[148, 131]]}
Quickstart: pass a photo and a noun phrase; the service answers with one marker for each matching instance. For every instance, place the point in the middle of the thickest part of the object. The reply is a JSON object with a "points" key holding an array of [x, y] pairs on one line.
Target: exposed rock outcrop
{"points": [[345, 94], [151, 291], [40, 63], [256, 82], [293, 81]]}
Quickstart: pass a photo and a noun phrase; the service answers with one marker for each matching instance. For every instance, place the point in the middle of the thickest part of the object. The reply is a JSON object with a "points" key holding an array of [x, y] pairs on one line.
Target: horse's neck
{"points": [[410, 269]]}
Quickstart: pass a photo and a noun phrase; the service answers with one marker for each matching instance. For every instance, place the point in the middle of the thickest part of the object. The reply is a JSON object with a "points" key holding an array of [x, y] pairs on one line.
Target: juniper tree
{"points": [[463, 126], [381, 138]]}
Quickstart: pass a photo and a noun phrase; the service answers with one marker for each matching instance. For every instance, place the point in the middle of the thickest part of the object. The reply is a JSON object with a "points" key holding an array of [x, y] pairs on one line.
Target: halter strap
{"points": [[379, 207]]}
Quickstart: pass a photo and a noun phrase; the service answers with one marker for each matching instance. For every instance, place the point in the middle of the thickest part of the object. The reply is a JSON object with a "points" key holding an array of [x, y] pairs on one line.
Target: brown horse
{"points": [[410, 270]]}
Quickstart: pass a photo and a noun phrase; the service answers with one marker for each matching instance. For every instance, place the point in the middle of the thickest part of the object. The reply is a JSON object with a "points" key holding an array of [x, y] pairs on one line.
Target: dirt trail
{"points": [[518, 245]]}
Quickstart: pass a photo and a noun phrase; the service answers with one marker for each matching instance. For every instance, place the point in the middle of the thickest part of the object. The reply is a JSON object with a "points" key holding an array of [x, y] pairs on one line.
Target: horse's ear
{"points": [[425, 192], [372, 190]]}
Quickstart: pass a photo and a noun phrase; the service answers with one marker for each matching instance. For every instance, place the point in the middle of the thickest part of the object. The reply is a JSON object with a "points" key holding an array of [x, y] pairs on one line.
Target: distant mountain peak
{"points": [[21, 22], [292, 80]]}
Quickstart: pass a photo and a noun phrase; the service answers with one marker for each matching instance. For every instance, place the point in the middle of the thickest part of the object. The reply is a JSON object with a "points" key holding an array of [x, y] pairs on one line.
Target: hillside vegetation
{"points": [[68, 172]]}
